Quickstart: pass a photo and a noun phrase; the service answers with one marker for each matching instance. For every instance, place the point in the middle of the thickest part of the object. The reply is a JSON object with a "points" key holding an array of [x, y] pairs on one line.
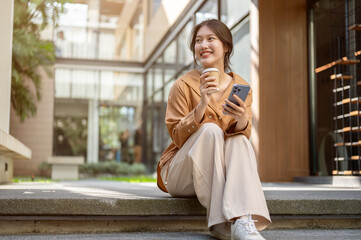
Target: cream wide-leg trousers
{"points": [[222, 174]]}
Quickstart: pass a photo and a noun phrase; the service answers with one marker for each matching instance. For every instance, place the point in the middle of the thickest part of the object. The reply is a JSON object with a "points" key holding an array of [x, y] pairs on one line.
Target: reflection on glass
{"points": [[116, 130], [158, 84], [158, 96], [92, 30], [106, 45], [70, 136], [184, 53], [169, 74], [84, 84], [62, 83], [241, 59], [170, 53], [234, 10], [120, 87], [208, 11], [150, 83], [167, 88]]}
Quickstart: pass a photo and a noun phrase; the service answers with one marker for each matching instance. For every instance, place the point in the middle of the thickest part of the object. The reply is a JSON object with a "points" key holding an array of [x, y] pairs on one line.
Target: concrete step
{"points": [[299, 234], [104, 206]]}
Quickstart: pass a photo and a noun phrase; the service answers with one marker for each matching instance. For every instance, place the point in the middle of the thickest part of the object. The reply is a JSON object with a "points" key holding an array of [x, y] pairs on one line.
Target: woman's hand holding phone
{"points": [[239, 113]]}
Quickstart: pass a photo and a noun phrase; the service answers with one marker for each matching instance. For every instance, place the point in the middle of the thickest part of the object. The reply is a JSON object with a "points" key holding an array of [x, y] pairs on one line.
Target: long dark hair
{"points": [[222, 32]]}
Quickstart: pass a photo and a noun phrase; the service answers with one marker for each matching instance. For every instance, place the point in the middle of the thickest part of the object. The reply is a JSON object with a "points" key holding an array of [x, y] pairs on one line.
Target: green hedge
{"points": [[113, 167]]}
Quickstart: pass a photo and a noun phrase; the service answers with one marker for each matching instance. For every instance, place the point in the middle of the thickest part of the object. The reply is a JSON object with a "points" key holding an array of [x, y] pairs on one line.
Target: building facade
{"points": [[117, 60]]}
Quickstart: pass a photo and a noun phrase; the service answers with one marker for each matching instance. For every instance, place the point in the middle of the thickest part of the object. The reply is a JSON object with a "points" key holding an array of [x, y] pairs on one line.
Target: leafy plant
{"points": [[113, 167], [30, 52], [44, 169]]}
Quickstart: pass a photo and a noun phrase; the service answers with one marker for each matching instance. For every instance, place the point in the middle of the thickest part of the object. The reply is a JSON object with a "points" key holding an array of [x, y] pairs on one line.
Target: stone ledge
{"points": [[164, 207], [12, 148], [336, 181]]}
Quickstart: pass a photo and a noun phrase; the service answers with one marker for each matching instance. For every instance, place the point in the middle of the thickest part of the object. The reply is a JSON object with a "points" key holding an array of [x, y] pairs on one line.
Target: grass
{"points": [[130, 179], [135, 179], [35, 179]]}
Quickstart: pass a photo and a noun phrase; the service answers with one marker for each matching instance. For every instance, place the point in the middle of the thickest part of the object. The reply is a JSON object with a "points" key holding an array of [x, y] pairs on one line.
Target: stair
{"points": [[105, 207]]}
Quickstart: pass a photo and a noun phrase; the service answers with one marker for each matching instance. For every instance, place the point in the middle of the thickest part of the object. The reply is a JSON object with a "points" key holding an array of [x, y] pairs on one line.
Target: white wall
{"points": [[6, 38]]}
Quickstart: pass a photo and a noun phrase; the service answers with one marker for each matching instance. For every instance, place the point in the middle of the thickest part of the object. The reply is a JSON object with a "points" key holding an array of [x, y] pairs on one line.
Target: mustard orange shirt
{"points": [[184, 96]]}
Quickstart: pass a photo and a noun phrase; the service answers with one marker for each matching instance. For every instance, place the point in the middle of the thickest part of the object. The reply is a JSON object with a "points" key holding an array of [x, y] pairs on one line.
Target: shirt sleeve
{"points": [[180, 119], [230, 131]]}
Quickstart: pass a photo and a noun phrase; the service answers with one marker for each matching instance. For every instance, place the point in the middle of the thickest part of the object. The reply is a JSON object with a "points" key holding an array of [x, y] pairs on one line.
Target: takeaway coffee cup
{"points": [[213, 72]]}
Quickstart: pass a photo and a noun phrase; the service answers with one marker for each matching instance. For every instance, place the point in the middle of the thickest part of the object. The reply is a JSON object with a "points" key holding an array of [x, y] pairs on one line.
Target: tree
{"points": [[30, 52]]}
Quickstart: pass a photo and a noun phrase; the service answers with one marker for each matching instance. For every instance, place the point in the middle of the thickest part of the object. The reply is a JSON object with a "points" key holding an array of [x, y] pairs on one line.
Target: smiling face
{"points": [[209, 48]]}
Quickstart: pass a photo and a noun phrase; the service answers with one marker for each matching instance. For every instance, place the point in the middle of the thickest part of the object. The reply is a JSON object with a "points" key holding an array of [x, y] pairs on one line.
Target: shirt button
{"points": [[219, 118], [189, 130], [210, 116], [192, 126]]}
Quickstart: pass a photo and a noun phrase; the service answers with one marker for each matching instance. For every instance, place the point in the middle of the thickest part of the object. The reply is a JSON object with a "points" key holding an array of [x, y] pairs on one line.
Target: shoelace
{"points": [[250, 226]]}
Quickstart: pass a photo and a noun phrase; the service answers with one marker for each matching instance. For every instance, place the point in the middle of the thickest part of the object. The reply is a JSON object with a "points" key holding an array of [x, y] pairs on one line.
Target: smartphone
{"points": [[241, 91]]}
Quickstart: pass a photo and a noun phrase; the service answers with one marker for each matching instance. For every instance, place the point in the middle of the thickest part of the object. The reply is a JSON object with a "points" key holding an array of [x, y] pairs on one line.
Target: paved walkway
{"points": [[269, 235], [111, 189], [143, 199], [100, 202]]}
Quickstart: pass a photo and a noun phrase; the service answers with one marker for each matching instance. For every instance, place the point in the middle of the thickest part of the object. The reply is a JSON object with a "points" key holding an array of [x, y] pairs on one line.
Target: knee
{"points": [[240, 139], [212, 129]]}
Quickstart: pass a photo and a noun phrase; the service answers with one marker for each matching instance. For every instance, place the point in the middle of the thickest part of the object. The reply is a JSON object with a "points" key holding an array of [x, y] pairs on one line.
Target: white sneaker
{"points": [[244, 229], [221, 231]]}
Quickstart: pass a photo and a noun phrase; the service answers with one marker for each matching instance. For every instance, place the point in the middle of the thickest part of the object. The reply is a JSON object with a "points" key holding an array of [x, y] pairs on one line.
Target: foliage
{"points": [[74, 132], [30, 179], [130, 179], [113, 167], [137, 169], [44, 169], [30, 52]]}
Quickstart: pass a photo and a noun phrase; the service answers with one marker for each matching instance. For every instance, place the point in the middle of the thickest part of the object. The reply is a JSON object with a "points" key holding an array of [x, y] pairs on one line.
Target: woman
{"points": [[210, 155]]}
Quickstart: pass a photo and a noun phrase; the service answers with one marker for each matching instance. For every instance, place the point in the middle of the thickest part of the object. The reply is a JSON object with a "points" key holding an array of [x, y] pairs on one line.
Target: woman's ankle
{"points": [[233, 220]]}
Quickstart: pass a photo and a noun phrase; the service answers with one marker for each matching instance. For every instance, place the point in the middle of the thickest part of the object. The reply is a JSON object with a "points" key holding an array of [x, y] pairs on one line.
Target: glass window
{"points": [[116, 132], [138, 37], [120, 87], [127, 88], [170, 67], [92, 31], [208, 11], [167, 88], [150, 83], [241, 59], [329, 45], [70, 136], [170, 53], [120, 107], [234, 10], [106, 45], [158, 84], [169, 74], [184, 53], [84, 84], [62, 83]]}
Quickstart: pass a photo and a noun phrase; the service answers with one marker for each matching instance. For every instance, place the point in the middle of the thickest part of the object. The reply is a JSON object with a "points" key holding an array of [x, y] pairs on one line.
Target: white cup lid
{"points": [[210, 70]]}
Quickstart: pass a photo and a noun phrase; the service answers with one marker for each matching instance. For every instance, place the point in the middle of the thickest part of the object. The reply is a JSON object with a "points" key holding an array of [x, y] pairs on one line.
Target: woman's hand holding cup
{"points": [[209, 84]]}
